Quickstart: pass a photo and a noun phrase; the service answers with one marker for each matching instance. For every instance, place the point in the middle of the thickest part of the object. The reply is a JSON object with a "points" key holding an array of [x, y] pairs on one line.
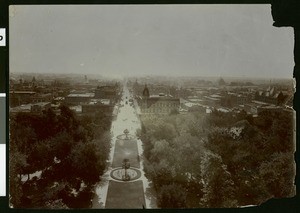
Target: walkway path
{"points": [[114, 193]]}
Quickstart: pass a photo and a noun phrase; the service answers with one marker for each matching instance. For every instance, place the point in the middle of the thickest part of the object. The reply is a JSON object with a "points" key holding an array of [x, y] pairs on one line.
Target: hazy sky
{"points": [[203, 40]]}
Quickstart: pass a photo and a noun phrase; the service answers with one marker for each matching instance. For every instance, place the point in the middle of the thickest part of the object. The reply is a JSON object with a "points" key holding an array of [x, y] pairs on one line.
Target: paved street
{"points": [[112, 193]]}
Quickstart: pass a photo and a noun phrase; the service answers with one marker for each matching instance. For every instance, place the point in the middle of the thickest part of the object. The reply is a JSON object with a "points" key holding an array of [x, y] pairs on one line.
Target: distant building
{"points": [[21, 108], [48, 97], [158, 104], [76, 109], [107, 92], [273, 96], [78, 98], [17, 98], [93, 81], [31, 108], [94, 108], [188, 106], [235, 99], [212, 100], [41, 106], [274, 109], [251, 108]]}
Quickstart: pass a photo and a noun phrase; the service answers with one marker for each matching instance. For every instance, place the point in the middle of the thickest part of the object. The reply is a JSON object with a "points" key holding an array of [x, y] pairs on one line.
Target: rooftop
{"points": [[40, 104], [22, 92], [85, 95], [164, 98], [21, 108]]}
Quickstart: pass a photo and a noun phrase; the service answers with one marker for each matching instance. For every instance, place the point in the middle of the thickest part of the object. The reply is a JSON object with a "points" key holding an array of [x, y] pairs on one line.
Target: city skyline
{"points": [[128, 40]]}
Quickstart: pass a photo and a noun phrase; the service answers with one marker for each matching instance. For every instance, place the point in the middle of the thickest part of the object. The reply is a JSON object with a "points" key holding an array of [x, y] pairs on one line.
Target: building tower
{"points": [[146, 93]]}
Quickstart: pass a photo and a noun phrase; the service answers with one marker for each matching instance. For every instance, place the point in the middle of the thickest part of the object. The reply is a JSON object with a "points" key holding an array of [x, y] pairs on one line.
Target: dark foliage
{"points": [[221, 159], [69, 152]]}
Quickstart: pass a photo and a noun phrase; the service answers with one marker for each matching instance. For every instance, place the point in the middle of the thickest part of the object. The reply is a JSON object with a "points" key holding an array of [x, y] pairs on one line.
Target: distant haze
{"points": [[177, 40]]}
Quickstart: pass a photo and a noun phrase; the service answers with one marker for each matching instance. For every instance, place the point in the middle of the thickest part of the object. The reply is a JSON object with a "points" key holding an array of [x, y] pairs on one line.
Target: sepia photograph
{"points": [[149, 107]]}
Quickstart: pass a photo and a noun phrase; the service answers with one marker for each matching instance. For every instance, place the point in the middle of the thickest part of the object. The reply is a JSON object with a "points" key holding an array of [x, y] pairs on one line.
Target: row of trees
{"points": [[69, 152], [219, 160]]}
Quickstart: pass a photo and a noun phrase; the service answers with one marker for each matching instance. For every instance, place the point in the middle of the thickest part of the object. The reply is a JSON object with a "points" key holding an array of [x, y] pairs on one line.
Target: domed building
{"points": [[160, 104]]}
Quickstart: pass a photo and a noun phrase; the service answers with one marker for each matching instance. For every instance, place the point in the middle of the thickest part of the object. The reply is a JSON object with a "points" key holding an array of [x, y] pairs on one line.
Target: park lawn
{"points": [[125, 195], [126, 149]]}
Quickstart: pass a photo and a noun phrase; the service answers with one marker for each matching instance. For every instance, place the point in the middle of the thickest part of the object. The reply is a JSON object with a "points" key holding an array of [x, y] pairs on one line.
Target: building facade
{"points": [[158, 104], [78, 98]]}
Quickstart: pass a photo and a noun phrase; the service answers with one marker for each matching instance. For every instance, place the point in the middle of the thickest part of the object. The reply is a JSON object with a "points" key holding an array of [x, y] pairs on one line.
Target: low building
{"points": [[93, 108], [21, 108], [187, 106], [110, 92], [270, 108], [41, 106], [48, 97], [31, 108], [212, 101], [79, 98], [251, 108], [106, 92], [275, 96], [235, 99], [17, 98]]}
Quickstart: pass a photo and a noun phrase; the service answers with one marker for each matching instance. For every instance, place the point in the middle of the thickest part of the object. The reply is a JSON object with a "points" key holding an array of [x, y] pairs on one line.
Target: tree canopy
{"points": [[69, 152], [219, 159]]}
